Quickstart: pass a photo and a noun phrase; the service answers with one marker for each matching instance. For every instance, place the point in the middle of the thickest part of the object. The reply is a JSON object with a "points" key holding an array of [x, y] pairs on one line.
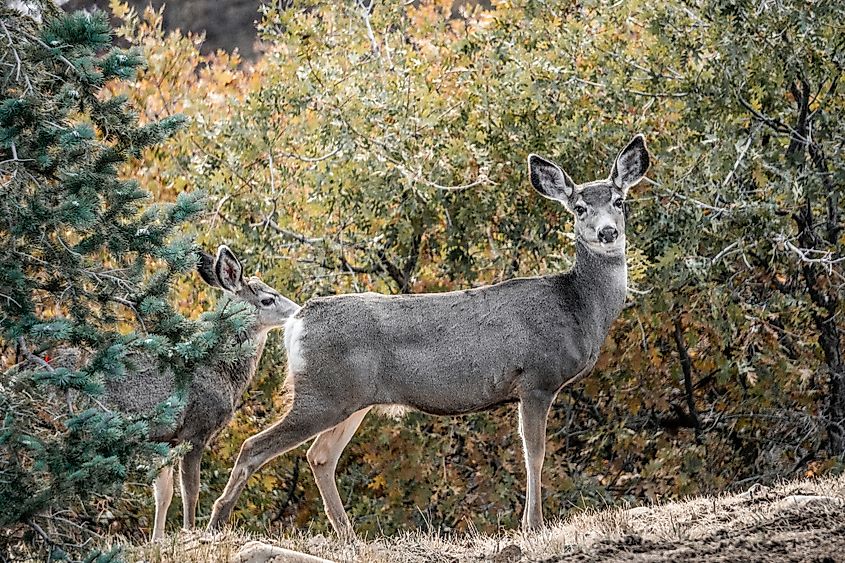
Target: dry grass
{"points": [[800, 521]]}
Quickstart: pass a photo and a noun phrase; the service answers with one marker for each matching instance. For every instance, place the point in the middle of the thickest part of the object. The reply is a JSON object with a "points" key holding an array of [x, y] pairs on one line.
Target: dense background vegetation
{"points": [[383, 146]]}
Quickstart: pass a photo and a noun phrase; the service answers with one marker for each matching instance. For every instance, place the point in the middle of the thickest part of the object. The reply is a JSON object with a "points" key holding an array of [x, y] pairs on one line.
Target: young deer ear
{"points": [[549, 180], [228, 270], [631, 165], [205, 267]]}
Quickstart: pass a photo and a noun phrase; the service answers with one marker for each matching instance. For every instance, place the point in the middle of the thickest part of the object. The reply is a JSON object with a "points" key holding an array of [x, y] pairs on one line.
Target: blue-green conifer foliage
{"points": [[86, 264]]}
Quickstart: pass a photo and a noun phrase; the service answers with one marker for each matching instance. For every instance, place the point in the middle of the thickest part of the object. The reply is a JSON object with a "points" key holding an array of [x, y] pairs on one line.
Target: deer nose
{"points": [[608, 234]]}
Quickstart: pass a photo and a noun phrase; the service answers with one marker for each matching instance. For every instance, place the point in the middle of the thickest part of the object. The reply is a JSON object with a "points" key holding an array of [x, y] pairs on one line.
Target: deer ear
{"points": [[631, 165], [205, 267], [549, 180], [228, 270]]}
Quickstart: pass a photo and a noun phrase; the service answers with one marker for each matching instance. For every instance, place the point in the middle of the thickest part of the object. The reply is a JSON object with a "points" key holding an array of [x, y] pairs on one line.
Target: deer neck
{"points": [[602, 283], [242, 377], [259, 339]]}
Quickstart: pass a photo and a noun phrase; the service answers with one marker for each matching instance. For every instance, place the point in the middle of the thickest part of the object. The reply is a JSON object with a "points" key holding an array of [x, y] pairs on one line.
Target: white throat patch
{"points": [[294, 332]]}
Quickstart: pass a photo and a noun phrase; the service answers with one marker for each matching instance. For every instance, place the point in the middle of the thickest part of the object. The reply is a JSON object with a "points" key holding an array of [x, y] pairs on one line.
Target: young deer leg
{"points": [[533, 411], [322, 457], [189, 468], [163, 494], [304, 420]]}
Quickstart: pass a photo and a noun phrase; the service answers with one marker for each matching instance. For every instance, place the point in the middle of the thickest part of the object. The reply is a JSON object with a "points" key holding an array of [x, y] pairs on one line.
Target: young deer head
{"points": [[597, 206], [225, 272]]}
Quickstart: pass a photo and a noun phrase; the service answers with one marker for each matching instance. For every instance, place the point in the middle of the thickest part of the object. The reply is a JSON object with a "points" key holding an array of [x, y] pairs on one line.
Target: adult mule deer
{"points": [[454, 353], [214, 392]]}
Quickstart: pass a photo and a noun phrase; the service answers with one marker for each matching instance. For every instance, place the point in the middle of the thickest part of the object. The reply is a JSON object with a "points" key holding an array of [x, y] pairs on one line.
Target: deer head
{"points": [[225, 272], [598, 206]]}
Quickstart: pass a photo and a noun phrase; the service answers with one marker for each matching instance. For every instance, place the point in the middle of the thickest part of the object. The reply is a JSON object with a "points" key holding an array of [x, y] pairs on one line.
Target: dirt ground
{"points": [[793, 522], [800, 521], [806, 534]]}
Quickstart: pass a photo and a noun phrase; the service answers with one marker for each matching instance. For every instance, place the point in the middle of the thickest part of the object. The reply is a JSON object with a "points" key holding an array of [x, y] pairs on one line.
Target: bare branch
{"points": [[293, 235], [418, 178], [32, 357], [724, 252], [772, 123], [825, 258], [742, 152], [17, 62], [10, 299], [40, 531], [52, 50], [686, 367], [321, 158], [132, 306], [683, 197], [366, 12]]}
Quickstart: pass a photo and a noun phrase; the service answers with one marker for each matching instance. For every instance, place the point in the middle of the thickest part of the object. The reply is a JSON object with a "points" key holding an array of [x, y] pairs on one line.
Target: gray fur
{"points": [[464, 351], [548, 179], [211, 397], [214, 392], [454, 353], [630, 165]]}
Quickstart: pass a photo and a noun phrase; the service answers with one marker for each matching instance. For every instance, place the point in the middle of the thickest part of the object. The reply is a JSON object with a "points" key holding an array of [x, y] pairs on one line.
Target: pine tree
{"points": [[86, 263]]}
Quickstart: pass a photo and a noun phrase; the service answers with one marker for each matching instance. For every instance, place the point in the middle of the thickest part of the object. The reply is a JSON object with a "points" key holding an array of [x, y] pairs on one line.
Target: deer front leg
{"points": [[305, 419], [533, 411], [323, 456], [163, 494], [189, 469]]}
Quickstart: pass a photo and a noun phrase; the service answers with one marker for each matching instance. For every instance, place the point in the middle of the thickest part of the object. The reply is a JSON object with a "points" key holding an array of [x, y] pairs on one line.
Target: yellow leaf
{"points": [[377, 484], [268, 482]]}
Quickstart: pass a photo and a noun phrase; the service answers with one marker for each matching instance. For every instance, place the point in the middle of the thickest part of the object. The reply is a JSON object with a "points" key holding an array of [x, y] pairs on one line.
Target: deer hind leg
{"points": [[189, 470], [306, 418], [323, 456], [163, 494], [533, 411]]}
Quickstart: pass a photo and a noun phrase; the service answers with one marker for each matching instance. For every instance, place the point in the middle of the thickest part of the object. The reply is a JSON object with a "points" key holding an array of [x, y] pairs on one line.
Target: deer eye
{"points": [[618, 203], [580, 210], [267, 302]]}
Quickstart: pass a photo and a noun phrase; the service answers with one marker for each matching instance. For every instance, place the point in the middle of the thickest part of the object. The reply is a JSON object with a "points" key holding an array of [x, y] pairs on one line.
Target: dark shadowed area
{"points": [[227, 25]]}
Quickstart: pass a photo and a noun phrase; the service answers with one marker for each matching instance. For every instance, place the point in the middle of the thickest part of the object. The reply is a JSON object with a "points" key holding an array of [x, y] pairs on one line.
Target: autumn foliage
{"points": [[384, 149]]}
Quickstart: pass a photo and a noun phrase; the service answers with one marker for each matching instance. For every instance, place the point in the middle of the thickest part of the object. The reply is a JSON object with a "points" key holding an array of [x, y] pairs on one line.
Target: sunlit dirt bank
{"points": [[800, 521]]}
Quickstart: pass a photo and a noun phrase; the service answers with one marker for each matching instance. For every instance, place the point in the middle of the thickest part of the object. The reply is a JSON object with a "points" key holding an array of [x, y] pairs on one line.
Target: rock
{"points": [[258, 552], [804, 500], [756, 491]]}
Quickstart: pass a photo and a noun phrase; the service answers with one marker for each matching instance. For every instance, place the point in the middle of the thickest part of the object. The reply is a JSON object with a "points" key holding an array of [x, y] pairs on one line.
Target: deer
{"points": [[214, 392], [453, 353]]}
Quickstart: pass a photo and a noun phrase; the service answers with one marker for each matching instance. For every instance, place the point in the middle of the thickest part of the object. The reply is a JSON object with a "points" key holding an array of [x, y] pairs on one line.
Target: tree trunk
{"points": [[823, 293]]}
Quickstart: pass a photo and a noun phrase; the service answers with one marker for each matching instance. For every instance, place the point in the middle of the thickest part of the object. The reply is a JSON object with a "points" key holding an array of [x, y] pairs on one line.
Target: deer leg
{"points": [[163, 494], [306, 418], [533, 411], [189, 469], [322, 457]]}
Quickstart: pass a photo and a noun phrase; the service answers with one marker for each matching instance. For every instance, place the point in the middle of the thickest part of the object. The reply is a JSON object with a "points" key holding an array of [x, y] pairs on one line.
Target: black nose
{"points": [[608, 234]]}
